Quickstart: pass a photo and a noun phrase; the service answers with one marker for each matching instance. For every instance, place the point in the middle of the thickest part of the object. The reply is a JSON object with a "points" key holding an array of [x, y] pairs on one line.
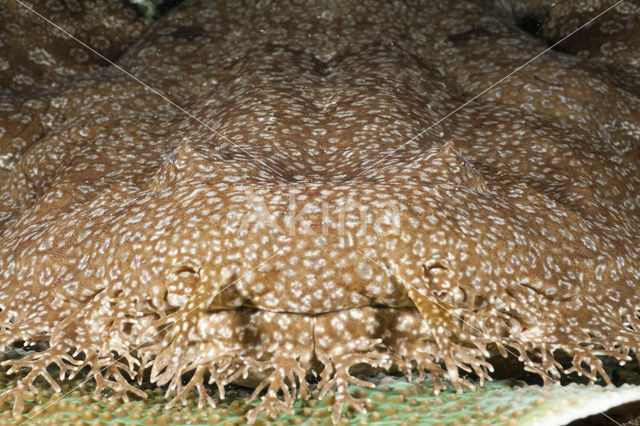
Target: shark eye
{"points": [[438, 272], [442, 282], [181, 280], [186, 270]]}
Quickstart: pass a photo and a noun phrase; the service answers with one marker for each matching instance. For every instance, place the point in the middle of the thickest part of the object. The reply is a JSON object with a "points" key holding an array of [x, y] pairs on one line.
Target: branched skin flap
{"points": [[312, 219]]}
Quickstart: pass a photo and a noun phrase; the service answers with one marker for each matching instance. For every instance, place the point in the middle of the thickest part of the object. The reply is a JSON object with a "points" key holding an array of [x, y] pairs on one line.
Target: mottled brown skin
{"points": [[307, 222]]}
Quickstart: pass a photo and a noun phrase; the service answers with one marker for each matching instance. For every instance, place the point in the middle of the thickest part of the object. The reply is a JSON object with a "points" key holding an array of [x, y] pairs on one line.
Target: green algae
{"points": [[393, 401]]}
